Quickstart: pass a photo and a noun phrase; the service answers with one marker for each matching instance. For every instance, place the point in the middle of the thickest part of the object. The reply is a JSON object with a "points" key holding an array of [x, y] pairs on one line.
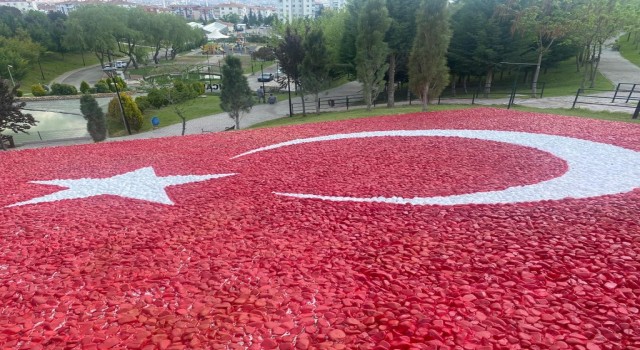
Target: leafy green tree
{"points": [[347, 51], [290, 54], [37, 24], [546, 21], [18, 52], [372, 51], [11, 20], [11, 116], [315, 65], [481, 40], [96, 122], [428, 71], [399, 37], [332, 23], [236, 96]]}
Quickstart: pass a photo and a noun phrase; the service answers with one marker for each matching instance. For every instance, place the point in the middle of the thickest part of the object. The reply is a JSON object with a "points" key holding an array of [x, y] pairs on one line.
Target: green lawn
{"points": [[192, 109], [53, 65], [363, 113], [630, 49]]}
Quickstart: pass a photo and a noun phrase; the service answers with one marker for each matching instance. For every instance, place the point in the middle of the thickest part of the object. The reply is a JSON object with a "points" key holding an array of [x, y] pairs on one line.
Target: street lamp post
{"points": [[264, 95], [11, 76], [512, 97], [111, 73], [290, 105]]}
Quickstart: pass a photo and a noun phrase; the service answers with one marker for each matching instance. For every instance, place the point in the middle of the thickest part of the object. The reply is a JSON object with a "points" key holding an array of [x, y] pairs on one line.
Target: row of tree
{"points": [[107, 31], [429, 43]]}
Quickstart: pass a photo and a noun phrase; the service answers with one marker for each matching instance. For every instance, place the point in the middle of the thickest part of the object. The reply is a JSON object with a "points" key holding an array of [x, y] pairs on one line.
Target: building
{"points": [[221, 10], [291, 9], [23, 6]]}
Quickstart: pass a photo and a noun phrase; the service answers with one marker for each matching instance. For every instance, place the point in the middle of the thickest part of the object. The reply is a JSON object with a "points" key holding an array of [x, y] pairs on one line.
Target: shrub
{"points": [[63, 89], [19, 93], [158, 98], [198, 88], [96, 123], [131, 111], [102, 87], [38, 90], [84, 87], [143, 103]]}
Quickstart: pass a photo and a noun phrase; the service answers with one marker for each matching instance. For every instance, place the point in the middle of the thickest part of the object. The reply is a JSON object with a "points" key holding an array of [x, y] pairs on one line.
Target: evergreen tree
{"points": [[96, 121], [11, 118], [236, 96], [428, 71], [371, 54], [290, 54], [315, 65], [399, 36], [131, 111]]}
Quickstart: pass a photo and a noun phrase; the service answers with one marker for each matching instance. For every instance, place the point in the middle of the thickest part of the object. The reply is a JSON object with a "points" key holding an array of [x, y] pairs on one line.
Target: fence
{"points": [[50, 135], [624, 96], [326, 103]]}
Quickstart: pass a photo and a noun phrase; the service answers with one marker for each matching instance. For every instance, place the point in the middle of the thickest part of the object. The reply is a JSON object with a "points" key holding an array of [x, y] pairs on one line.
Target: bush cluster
{"points": [[131, 111], [63, 89], [180, 92], [38, 90]]}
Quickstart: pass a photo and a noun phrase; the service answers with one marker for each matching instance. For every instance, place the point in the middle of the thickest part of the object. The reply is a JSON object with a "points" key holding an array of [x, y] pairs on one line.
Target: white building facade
{"points": [[23, 6], [291, 9]]}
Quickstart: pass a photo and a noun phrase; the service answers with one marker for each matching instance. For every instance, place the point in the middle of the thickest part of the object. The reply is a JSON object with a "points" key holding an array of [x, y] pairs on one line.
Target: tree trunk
{"points": [[304, 106], [425, 97], [534, 83], [487, 82], [464, 84], [391, 84], [453, 86], [317, 99], [595, 69], [156, 60], [366, 95]]}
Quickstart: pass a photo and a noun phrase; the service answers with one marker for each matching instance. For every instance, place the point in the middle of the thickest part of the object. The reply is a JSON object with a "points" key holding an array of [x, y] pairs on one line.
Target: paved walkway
{"points": [[612, 65]]}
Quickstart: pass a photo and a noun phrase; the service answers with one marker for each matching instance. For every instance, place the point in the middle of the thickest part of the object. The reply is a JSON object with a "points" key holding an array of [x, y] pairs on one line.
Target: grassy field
{"points": [[192, 109], [53, 65], [363, 113], [629, 49]]}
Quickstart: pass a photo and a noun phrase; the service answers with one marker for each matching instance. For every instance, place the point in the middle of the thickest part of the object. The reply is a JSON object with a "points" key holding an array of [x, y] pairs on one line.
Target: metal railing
{"points": [[50, 135], [611, 98]]}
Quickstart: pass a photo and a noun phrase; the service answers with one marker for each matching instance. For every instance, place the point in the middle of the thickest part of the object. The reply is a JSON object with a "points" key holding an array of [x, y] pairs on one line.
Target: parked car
{"points": [[265, 77]]}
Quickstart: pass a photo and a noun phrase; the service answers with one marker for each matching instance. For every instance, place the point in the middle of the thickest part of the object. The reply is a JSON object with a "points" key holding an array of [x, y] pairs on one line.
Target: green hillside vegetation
{"points": [[630, 49]]}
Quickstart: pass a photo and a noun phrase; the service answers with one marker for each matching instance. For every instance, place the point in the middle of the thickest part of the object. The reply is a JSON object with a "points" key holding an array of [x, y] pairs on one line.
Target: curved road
{"points": [[90, 74]]}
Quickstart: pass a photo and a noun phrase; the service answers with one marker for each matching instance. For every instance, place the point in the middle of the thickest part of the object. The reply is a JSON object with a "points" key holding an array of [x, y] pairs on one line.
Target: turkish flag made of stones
{"points": [[472, 229]]}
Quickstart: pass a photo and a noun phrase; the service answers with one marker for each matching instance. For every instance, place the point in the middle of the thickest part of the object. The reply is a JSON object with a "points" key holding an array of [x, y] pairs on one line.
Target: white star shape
{"points": [[142, 184]]}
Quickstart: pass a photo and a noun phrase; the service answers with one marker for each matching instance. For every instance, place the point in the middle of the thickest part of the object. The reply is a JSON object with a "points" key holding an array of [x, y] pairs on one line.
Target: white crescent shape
{"points": [[595, 169]]}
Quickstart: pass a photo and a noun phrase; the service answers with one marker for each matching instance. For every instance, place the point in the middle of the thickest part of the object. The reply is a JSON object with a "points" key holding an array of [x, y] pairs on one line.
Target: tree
{"points": [[399, 37], [18, 52], [428, 71], [372, 51], [546, 21], [290, 55], [236, 96], [96, 122], [132, 113], [315, 65], [11, 117], [480, 41]]}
